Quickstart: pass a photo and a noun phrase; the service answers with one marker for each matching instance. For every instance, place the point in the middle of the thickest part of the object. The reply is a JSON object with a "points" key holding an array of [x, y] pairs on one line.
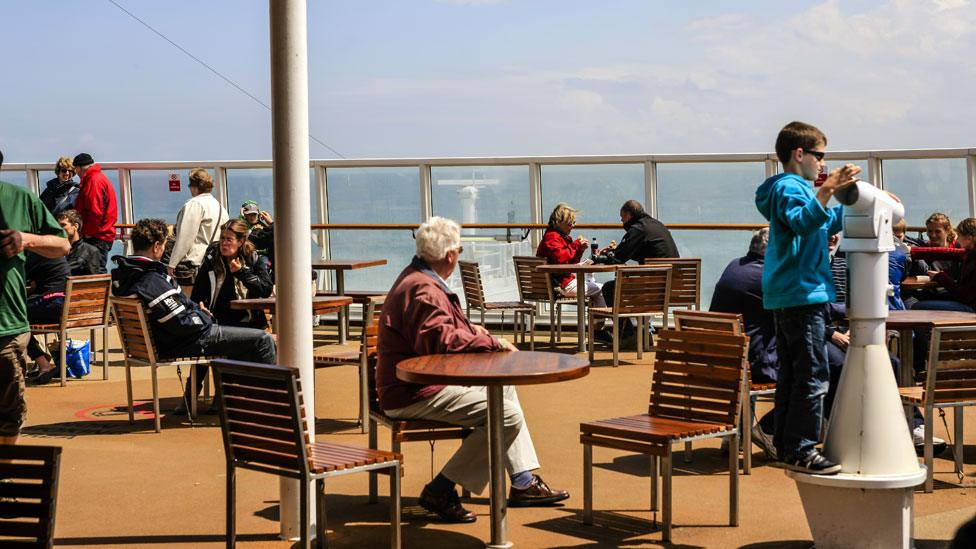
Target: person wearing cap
{"points": [[96, 204], [261, 227], [197, 225]]}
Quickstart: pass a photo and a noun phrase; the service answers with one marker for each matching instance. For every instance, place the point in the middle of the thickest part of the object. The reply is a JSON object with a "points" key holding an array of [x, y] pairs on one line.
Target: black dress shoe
{"points": [[446, 506], [42, 378], [538, 493]]}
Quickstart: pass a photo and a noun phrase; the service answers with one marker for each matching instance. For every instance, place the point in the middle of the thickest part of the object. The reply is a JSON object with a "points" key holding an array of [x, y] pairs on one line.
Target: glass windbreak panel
{"points": [[152, 197], [118, 247], [486, 194], [716, 249], [257, 184], [709, 193], [15, 177], [597, 191], [928, 186], [373, 195]]}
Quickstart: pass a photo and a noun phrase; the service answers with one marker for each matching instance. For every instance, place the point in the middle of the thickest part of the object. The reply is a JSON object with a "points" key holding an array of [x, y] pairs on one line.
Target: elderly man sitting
{"points": [[422, 316]]}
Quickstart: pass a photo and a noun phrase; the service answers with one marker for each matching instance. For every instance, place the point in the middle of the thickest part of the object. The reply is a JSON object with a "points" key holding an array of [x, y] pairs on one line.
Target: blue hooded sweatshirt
{"points": [[797, 270]]}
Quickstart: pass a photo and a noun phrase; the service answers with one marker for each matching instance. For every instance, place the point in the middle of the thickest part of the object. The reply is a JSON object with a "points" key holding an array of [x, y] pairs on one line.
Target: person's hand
{"points": [[266, 217], [11, 243], [841, 339], [205, 309], [838, 179], [933, 273], [481, 329], [583, 242], [235, 264], [170, 270], [506, 345], [242, 211]]}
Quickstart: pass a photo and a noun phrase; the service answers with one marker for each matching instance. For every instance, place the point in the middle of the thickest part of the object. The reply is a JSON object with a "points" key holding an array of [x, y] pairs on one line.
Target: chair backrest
{"points": [[532, 284], [371, 329], [133, 325], [30, 475], [685, 280], [698, 376], [474, 292], [86, 301], [642, 290], [951, 369], [687, 319], [262, 418]]}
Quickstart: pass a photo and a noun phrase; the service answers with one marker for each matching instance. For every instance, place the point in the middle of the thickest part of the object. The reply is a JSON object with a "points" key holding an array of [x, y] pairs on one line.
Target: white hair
{"points": [[436, 237]]}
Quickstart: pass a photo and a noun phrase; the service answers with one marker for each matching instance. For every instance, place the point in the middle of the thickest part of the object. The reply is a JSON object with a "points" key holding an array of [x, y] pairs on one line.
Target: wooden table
{"points": [[912, 283], [340, 266], [907, 321], [320, 304], [494, 370], [580, 270]]}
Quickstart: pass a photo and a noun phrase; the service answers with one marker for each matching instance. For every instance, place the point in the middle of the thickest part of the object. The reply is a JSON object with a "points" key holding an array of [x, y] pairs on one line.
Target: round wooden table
{"points": [[494, 370], [580, 270]]}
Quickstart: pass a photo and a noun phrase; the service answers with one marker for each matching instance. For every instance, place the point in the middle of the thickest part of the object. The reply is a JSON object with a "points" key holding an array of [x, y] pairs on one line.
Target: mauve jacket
{"points": [[421, 316]]}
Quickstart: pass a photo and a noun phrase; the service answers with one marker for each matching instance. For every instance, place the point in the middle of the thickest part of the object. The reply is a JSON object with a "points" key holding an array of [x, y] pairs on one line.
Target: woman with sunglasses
{"points": [[60, 193]]}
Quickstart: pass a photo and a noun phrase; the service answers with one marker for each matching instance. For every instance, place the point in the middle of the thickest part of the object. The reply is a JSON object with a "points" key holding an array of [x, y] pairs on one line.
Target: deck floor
{"points": [[124, 485]]}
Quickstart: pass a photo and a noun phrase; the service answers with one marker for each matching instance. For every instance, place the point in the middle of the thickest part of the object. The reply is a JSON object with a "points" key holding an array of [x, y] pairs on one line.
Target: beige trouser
{"points": [[468, 406]]}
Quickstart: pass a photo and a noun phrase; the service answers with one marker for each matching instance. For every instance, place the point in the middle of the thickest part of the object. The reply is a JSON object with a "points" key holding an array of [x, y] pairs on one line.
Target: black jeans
{"points": [[42, 311], [103, 248], [236, 344]]}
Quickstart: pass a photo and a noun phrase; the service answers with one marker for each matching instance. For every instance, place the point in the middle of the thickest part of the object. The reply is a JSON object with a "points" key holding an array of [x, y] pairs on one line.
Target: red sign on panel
{"points": [[174, 182]]}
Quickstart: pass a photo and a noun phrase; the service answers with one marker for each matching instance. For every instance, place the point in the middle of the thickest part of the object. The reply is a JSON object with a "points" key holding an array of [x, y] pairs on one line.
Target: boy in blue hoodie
{"points": [[797, 285]]}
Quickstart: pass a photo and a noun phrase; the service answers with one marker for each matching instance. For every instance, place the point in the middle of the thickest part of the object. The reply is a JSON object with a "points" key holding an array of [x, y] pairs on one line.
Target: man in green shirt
{"points": [[25, 224]]}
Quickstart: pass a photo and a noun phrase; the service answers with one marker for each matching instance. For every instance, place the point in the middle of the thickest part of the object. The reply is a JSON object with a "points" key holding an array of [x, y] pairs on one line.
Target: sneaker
{"points": [[764, 441], [42, 378], [814, 463], [918, 439]]}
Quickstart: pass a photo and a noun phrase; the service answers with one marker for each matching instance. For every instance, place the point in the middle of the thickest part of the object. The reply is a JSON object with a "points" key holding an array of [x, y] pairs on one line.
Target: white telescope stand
{"points": [[870, 502]]}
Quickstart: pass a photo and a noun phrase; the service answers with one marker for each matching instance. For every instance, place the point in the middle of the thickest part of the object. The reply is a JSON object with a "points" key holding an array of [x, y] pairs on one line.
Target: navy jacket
{"points": [[58, 196], [178, 325]]}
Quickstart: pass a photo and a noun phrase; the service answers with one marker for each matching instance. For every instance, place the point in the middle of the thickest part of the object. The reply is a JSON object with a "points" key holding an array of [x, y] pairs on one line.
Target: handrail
{"points": [[598, 226]]}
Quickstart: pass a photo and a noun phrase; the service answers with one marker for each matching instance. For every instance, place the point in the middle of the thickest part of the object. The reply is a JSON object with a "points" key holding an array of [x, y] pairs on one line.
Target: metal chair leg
{"points": [[616, 342], [666, 494], [155, 388], [304, 542], [128, 390], [587, 484], [320, 518], [929, 451], [654, 475], [687, 454], [395, 507], [231, 506], [363, 393], [733, 481], [957, 422], [746, 430], [640, 337], [105, 352], [373, 445], [62, 354]]}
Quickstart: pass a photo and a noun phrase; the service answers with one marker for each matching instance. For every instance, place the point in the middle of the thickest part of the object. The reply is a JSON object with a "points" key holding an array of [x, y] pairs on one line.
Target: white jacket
{"points": [[197, 225]]}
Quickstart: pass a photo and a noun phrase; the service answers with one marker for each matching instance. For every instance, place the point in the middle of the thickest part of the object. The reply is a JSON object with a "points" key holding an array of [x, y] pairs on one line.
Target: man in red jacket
{"points": [[422, 316], [96, 205]]}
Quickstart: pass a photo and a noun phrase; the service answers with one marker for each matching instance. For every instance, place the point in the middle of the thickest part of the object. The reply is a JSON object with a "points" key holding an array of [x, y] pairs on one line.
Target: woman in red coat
{"points": [[557, 247]]}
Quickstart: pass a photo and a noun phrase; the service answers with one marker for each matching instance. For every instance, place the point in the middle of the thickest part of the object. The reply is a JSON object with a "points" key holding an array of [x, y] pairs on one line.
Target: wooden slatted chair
{"points": [[537, 287], [685, 281], [950, 382], [30, 491], [640, 292], [474, 296], [85, 308], [138, 348], [344, 356], [262, 417], [405, 430], [729, 323], [696, 393]]}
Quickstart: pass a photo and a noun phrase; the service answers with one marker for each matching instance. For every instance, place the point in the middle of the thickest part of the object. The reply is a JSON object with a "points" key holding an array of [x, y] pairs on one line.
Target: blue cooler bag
{"points": [[78, 358]]}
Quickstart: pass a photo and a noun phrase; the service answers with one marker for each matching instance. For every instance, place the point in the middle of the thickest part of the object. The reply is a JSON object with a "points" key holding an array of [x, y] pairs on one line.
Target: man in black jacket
{"points": [[180, 327], [645, 238], [84, 259]]}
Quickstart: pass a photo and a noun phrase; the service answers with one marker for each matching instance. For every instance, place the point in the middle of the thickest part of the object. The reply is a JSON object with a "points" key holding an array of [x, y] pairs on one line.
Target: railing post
{"points": [[33, 181], [323, 236], [536, 214], [125, 203], [223, 195], [971, 183], [426, 193], [650, 187], [875, 171]]}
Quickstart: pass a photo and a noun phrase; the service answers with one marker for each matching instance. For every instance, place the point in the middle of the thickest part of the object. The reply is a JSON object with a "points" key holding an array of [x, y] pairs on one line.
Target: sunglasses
{"points": [[818, 154], [65, 170]]}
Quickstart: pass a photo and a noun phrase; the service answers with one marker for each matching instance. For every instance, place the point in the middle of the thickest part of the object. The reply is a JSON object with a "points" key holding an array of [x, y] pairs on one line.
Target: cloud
{"points": [[471, 2]]}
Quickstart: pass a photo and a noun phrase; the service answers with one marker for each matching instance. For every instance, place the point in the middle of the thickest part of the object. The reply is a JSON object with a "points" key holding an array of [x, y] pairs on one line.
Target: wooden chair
{"points": [[138, 348], [262, 418], [641, 292], [537, 287], [474, 296], [344, 356], [30, 494], [405, 430], [85, 308], [732, 324], [696, 393], [685, 282], [950, 382]]}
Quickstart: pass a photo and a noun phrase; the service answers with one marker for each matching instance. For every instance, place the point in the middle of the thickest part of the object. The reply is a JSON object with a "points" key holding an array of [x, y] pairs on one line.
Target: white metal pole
{"points": [[289, 121]]}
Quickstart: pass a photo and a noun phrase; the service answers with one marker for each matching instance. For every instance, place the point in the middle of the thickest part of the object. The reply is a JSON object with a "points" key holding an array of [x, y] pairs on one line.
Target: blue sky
{"points": [[481, 77]]}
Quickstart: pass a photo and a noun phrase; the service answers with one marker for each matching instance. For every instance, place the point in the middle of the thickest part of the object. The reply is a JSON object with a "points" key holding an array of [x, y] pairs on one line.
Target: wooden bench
{"points": [[262, 418], [85, 308], [138, 347], [696, 394]]}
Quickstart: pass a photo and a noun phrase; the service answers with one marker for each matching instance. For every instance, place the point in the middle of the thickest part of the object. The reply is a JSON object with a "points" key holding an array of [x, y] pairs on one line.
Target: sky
{"points": [[423, 78]]}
